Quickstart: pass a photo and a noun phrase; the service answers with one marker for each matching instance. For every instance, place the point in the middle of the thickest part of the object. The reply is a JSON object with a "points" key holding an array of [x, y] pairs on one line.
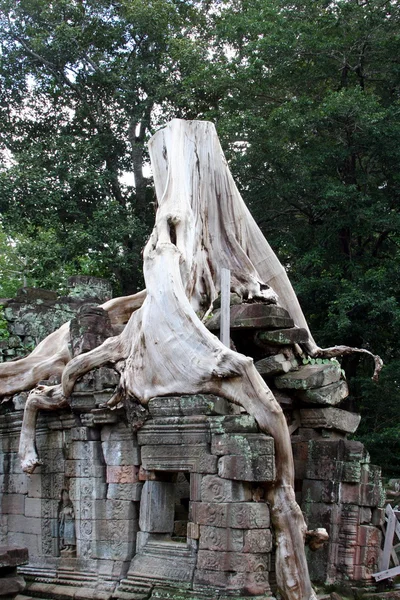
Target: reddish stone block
{"points": [[145, 475], [122, 474], [350, 493], [369, 536], [362, 573], [257, 540]]}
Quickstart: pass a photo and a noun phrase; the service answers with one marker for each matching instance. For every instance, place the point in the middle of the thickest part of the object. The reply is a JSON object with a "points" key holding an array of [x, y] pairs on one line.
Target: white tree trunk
{"points": [[202, 225]]}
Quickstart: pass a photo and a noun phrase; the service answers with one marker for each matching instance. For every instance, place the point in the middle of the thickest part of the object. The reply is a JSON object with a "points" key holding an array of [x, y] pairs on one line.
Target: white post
{"points": [[225, 323]]}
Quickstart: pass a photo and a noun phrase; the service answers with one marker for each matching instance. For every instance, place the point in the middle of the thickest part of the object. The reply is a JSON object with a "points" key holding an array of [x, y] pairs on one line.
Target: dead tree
{"points": [[202, 225]]}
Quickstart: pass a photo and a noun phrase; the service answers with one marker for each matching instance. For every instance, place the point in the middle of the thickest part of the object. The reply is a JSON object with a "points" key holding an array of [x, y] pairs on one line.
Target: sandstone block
{"points": [[11, 585], [86, 451], [369, 536], [350, 493], [87, 487], [13, 556], [244, 444], [221, 539], [124, 491], [12, 504], [282, 337], [254, 584], [109, 550], [123, 474], [195, 486], [320, 491], [330, 418], [175, 430], [232, 561], [82, 401], [257, 540], [157, 507], [107, 530], [198, 404], [85, 434], [121, 452], [233, 424], [84, 468], [193, 531], [215, 489], [241, 515], [309, 376], [247, 468], [274, 365], [22, 524], [14, 484], [179, 458], [33, 507], [253, 316], [331, 394]]}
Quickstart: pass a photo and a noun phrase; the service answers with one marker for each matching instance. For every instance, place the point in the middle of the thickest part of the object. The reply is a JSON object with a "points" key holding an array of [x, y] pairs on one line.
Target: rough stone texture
{"points": [[12, 556], [157, 507], [254, 316], [310, 376], [331, 394], [118, 479], [215, 489], [283, 337], [275, 365], [330, 418]]}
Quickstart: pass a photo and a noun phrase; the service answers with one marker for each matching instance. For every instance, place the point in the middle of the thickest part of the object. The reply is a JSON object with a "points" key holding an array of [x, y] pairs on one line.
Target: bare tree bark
{"points": [[202, 225]]}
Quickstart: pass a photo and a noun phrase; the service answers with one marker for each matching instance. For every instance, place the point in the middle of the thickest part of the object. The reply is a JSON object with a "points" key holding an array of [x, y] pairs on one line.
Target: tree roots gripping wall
{"points": [[202, 225]]}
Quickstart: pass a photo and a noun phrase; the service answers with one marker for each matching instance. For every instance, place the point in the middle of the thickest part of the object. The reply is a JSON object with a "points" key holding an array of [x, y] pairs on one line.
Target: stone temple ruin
{"points": [[174, 496]]}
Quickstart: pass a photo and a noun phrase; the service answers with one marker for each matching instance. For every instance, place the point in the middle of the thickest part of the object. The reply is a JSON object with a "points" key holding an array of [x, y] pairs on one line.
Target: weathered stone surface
{"points": [[199, 404], [254, 316], [11, 585], [122, 474], [243, 583], [221, 539], [88, 329], [335, 460], [232, 561], [330, 418], [86, 451], [282, 337], [241, 515], [215, 489], [124, 491], [257, 540], [245, 444], [247, 468], [166, 560], [120, 452], [175, 430], [179, 458], [234, 424], [157, 507], [309, 376], [321, 491], [12, 504], [275, 365], [331, 394], [13, 556]]}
